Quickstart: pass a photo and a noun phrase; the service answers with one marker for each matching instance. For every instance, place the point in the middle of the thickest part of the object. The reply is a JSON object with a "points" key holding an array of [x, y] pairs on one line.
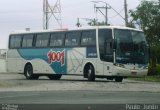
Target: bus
{"points": [[110, 52]]}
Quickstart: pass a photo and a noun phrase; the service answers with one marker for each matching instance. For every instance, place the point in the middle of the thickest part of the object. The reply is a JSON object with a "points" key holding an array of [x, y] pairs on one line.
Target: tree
{"points": [[147, 16], [94, 22]]}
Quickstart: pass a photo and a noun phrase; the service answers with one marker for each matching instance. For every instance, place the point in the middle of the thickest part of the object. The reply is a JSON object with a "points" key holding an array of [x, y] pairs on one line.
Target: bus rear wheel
{"points": [[28, 72], [55, 77], [119, 79]]}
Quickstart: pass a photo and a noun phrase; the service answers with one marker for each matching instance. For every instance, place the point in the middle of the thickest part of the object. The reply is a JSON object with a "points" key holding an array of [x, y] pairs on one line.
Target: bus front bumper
{"points": [[118, 71]]}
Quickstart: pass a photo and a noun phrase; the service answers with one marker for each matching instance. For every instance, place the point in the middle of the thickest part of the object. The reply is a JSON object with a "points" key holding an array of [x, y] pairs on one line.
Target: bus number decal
{"points": [[58, 56]]}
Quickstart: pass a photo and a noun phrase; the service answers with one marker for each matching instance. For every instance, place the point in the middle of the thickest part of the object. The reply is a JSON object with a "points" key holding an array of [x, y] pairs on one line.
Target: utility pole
{"points": [[51, 11], [45, 16], [106, 15], [104, 7], [126, 12], [78, 23]]}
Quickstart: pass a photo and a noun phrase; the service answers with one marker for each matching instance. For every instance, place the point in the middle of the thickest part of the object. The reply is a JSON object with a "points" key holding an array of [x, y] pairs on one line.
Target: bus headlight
{"points": [[146, 67]]}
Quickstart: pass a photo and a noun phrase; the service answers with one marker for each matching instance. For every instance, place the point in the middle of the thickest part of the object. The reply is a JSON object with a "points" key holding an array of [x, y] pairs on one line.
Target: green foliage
{"points": [[154, 70], [131, 25], [148, 78], [147, 16], [94, 22], [158, 69]]}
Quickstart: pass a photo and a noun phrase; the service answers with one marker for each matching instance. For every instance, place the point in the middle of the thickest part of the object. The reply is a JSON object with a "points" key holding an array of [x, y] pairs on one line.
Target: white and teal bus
{"points": [[92, 52]]}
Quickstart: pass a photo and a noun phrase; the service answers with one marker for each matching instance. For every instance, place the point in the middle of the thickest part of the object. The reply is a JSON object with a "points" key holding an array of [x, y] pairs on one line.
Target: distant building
{"points": [[3, 60], [3, 53]]}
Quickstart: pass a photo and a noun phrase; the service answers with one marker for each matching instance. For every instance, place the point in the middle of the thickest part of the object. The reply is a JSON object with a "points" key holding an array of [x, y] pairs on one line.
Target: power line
{"points": [[117, 13], [104, 7], [110, 7]]}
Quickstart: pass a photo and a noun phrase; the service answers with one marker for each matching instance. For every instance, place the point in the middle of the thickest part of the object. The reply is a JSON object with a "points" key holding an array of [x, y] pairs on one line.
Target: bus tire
{"points": [[55, 77], [28, 72], [90, 73], [119, 79]]}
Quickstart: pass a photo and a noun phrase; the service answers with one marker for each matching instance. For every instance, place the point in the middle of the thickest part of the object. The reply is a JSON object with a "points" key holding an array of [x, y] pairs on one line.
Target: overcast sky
{"points": [[21, 14]]}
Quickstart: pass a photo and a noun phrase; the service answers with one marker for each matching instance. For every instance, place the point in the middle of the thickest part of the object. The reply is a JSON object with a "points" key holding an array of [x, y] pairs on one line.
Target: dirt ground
{"points": [[17, 82]]}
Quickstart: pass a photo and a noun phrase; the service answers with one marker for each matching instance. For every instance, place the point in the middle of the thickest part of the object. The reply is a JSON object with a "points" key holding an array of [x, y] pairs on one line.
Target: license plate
{"points": [[133, 73]]}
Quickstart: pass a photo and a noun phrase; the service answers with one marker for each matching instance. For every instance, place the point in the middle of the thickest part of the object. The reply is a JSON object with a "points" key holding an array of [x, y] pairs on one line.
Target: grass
{"points": [[148, 78]]}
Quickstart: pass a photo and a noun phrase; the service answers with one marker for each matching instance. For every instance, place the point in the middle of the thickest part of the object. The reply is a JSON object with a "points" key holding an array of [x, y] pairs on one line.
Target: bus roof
{"points": [[73, 29]]}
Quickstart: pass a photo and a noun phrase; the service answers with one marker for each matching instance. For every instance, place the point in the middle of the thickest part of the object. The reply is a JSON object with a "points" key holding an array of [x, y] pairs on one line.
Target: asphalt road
{"points": [[79, 97], [15, 89]]}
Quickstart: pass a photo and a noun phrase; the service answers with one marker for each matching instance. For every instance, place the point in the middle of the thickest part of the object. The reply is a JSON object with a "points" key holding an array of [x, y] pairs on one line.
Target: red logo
{"points": [[58, 56]]}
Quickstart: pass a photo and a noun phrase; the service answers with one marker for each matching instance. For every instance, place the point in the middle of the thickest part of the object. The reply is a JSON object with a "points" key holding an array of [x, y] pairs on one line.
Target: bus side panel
{"points": [[76, 57], [52, 60], [14, 61], [40, 66], [92, 58], [43, 60]]}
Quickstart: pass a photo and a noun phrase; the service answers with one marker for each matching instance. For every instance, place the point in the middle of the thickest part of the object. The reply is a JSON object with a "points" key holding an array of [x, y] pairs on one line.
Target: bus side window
{"points": [[88, 38], [57, 39], [42, 40], [15, 41], [73, 38], [105, 45], [27, 41]]}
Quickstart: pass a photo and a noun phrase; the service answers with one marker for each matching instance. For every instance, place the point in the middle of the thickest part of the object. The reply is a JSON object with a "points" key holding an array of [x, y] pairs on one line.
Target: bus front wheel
{"points": [[28, 72], [90, 73]]}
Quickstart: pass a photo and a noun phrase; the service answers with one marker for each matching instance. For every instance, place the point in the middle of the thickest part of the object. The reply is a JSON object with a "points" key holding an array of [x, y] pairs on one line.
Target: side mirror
{"points": [[114, 44]]}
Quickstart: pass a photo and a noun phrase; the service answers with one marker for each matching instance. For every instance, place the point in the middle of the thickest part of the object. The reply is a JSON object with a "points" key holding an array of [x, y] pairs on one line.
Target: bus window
{"points": [[42, 40], [72, 39], [57, 39], [27, 41], [105, 45], [15, 41], [88, 38]]}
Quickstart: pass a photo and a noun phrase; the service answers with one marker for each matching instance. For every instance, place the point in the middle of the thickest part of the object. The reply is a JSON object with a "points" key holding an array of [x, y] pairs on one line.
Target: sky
{"points": [[21, 14]]}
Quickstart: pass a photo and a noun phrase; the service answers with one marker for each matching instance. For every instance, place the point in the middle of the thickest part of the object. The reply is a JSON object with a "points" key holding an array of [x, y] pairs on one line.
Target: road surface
{"points": [[79, 97], [14, 88]]}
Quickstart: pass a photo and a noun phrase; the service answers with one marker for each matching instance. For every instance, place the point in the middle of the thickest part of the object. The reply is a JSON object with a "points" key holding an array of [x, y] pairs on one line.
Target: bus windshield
{"points": [[131, 47]]}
